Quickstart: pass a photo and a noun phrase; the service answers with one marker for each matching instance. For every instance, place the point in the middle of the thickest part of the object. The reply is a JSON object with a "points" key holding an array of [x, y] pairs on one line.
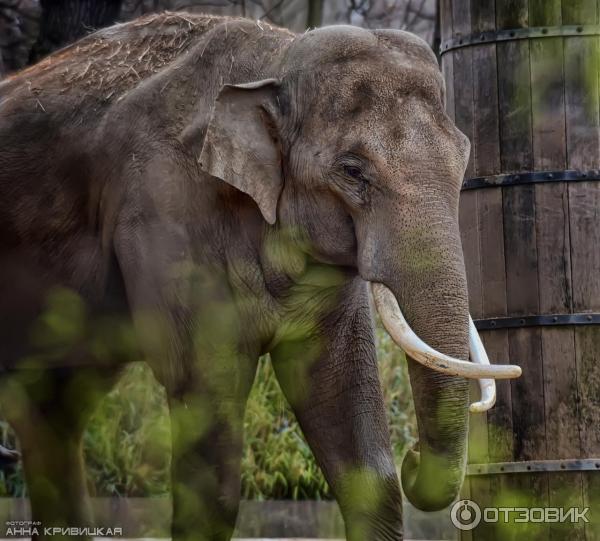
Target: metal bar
{"points": [[530, 177], [531, 466], [537, 321], [511, 34]]}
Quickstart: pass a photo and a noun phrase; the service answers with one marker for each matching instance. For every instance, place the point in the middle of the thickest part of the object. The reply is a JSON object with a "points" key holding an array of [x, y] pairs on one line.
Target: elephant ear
{"points": [[241, 145]]}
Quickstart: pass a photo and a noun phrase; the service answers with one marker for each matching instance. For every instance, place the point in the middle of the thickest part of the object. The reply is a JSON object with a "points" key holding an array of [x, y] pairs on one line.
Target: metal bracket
{"points": [[534, 177], [537, 321], [532, 466], [511, 34]]}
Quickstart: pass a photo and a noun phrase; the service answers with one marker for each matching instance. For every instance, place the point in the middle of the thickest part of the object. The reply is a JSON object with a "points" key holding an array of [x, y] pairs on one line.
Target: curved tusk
{"points": [[405, 337], [479, 356]]}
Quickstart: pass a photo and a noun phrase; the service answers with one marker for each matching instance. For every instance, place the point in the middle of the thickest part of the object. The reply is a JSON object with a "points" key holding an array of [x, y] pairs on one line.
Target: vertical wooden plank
{"points": [[527, 392], [514, 82], [585, 224], [547, 89], [499, 419], [592, 501], [562, 425], [581, 87], [447, 58], [528, 397], [500, 429], [491, 229], [448, 72], [521, 253], [579, 12], [491, 226], [554, 264], [486, 123], [587, 344], [584, 205], [514, 89], [582, 57]]}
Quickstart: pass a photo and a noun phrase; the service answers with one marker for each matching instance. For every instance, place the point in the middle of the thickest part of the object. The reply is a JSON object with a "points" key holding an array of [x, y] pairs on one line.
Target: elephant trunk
{"points": [[435, 305], [416, 269], [433, 472]]}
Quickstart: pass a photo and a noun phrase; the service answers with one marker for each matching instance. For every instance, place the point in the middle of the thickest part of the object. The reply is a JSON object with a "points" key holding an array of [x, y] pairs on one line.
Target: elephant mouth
{"points": [[478, 368]]}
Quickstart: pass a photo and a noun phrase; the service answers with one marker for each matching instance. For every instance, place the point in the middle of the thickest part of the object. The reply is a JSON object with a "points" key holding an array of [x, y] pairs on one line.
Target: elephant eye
{"points": [[354, 172]]}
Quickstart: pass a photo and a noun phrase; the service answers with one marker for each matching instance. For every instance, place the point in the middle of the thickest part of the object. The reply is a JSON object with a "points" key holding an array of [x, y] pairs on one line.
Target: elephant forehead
{"points": [[373, 100], [343, 42]]}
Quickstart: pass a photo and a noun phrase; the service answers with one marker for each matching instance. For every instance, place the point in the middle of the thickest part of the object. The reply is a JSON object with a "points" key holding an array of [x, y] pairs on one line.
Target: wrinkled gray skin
{"points": [[230, 222]]}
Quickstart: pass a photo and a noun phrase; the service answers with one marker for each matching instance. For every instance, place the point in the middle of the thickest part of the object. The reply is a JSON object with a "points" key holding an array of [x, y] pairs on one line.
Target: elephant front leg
{"points": [[187, 325], [207, 432], [331, 380]]}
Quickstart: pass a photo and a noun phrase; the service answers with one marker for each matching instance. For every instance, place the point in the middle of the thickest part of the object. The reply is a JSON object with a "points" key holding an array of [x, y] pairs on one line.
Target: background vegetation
{"points": [[127, 444]]}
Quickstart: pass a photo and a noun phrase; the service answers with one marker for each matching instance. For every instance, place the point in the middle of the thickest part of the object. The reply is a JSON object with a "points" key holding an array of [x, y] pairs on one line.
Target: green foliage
{"points": [[127, 443], [393, 374], [277, 462]]}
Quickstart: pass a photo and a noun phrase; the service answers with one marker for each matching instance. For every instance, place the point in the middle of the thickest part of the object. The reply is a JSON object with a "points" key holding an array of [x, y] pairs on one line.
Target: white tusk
{"points": [[405, 337], [479, 356]]}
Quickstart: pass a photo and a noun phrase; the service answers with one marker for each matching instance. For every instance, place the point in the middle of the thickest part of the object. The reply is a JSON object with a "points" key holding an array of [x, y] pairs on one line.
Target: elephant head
{"points": [[348, 141]]}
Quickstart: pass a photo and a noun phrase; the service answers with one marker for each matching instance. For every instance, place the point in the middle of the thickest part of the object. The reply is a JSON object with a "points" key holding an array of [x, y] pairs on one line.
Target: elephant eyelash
{"points": [[354, 172], [349, 178]]}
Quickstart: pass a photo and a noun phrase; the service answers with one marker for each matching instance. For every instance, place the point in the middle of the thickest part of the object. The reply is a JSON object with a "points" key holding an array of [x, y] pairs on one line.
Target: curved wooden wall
{"points": [[529, 102]]}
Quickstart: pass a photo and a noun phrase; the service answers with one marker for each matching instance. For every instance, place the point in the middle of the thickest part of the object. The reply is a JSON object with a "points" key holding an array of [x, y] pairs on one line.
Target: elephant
{"points": [[228, 189]]}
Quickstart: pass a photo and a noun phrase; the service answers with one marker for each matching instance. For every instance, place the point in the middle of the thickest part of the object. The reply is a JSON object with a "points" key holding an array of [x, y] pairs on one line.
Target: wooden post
{"points": [[522, 83], [314, 18]]}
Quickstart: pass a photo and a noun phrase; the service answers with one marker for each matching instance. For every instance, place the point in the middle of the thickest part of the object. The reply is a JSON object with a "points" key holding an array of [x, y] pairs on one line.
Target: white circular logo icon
{"points": [[465, 514]]}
